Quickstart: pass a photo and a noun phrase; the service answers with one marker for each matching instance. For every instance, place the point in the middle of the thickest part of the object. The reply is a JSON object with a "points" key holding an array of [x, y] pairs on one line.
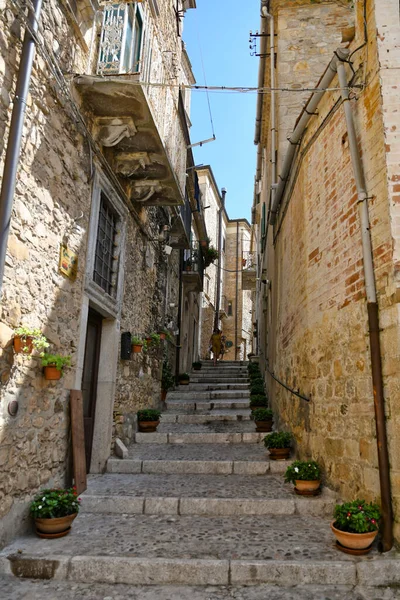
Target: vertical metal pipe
{"points": [[373, 319], [219, 270], [237, 289], [179, 318], [15, 135]]}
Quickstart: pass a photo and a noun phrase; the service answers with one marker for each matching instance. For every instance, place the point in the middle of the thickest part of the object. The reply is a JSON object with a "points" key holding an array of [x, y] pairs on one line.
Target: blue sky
{"points": [[223, 26]]}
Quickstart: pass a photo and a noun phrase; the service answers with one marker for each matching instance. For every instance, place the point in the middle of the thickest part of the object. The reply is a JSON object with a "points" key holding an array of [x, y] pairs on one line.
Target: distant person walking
{"points": [[215, 344]]}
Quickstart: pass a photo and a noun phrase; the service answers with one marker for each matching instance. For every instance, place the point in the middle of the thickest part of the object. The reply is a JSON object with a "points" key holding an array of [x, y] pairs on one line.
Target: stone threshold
{"points": [[199, 438], [214, 507], [205, 418], [161, 571], [195, 467]]}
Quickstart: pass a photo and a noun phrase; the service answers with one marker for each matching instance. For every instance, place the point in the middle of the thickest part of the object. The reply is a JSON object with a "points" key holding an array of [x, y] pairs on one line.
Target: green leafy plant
{"points": [[197, 365], [55, 503], [210, 255], [39, 341], [303, 471], [184, 377], [167, 378], [155, 339], [357, 516], [256, 380], [278, 439], [148, 414], [262, 414], [258, 400], [137, 341], [253, 367], [56, 360], [257, 390]]}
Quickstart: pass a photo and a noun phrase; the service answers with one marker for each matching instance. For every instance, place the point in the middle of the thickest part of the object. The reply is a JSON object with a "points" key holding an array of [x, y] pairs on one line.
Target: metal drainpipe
{"points": [[237, 288], [373, 315], [179, 318], [15, 135], [218, 298]]}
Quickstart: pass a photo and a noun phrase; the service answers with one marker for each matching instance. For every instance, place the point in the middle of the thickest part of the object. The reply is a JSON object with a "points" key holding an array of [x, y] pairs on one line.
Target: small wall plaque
{"points": [[68, 262]]}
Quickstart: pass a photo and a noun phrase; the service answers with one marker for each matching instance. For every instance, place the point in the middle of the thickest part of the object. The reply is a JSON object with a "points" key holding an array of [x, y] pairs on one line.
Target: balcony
{"points": [[124, 121], [193, 269], [181, 226], [249, 270]]}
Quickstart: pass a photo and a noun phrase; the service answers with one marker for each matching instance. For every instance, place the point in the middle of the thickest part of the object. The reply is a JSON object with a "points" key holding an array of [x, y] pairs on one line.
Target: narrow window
{"points": [[106, 263], [230, 313]]}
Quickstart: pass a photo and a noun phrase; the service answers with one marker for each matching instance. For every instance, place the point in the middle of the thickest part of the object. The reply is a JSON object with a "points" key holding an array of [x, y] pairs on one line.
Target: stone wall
{"points": [[318, 332], [52, 205]]}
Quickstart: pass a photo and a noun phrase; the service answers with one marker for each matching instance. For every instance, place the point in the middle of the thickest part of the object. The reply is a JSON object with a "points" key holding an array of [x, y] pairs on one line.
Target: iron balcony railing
{"points": [[194, 261], [249, 261]]}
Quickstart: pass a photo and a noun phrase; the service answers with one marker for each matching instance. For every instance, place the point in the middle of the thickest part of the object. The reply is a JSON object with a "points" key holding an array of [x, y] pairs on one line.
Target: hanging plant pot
{"points": [[23, 345], [51, 373], [279, 453], [148, 426], [264, 426], [57, 527], [137, 348], [306, 488]]}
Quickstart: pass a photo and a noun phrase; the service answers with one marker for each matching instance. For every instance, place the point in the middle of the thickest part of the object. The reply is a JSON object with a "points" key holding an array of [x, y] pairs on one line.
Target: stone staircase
{"points": [[198, 503]]}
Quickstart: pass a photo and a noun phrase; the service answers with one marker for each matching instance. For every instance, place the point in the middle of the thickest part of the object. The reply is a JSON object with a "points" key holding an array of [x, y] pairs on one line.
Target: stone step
{"points": [[36, 589], [216, 372], [207, 379], [198, 438], [284, 550], [202, 406], [206, 387], [213, 495], [216, 459], [214, 415], [210, 426], [187, 394]]}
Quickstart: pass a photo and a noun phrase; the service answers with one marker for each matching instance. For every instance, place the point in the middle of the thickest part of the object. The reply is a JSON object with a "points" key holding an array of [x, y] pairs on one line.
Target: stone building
{"points": [[317, 283], [101, 218], [237, 274]]}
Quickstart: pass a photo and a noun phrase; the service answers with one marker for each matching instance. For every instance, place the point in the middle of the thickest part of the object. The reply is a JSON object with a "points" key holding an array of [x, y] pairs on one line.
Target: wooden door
{"points": [[89, 379]]}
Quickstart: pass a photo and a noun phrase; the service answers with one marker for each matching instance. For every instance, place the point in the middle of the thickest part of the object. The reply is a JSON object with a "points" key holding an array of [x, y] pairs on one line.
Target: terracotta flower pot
{"points": [[148, 426], [196, 368], [137, 348], [307, 486], [23, 342], [184, 382], [52, 373], [279, 453], [355, 541], [264, 426], [163, 336], [53, 526]]}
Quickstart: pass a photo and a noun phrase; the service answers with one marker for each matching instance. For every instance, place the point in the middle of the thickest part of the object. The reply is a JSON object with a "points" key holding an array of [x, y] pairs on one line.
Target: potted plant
{"points": [[137, 344], [148, 420], [196, 365], [54, 364], [155, 339], [258, 401], [54, 510], [278, 444], [27, 338], [188, 265], [356, 525], [210, 255], [184, 378], [305, 475], [257, 389], [263, 418], [164, 334], [167, 380]]}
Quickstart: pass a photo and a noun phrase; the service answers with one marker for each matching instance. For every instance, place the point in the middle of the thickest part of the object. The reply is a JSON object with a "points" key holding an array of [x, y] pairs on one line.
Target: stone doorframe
{"points": [[110, 308]]}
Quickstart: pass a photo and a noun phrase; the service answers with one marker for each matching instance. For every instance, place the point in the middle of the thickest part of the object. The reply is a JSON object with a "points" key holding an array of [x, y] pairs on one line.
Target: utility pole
{"points": [[218, 299]]}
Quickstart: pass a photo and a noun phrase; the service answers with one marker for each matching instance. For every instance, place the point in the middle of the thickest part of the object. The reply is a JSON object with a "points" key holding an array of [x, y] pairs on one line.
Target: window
{"points": [[106, 261], [230, 312], [224, 245], [121, 39]]}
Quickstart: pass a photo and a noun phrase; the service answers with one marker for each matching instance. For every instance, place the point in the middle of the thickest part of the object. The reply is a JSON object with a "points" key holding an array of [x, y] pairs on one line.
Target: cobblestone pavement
{"points": [[228, 452], [14, 589], [193, 486], [287, 537]]}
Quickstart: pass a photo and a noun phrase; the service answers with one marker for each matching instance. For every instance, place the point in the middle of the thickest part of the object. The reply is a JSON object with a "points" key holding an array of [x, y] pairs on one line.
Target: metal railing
{"points": [[194, 260], [249, 261]]}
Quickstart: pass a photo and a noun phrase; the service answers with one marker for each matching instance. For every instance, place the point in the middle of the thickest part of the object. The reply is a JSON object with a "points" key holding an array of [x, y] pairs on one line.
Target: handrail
{"points": [[291, 390]]}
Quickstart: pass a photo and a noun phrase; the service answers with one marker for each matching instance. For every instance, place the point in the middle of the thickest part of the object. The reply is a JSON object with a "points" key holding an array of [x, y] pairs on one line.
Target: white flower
{"points": [[296, 469], [40, 506], [44, 498]]}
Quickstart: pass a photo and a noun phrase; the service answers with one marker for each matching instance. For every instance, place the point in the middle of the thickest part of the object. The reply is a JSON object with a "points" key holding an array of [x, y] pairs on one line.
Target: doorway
{"points": [[89, 379]]}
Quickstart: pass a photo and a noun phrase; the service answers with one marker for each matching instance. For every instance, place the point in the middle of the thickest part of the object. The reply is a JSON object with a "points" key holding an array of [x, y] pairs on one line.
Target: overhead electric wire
{"points": [[205, 82]]}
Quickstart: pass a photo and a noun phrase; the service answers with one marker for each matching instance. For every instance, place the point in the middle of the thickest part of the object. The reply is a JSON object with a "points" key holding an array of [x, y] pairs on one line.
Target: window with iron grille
{"points": [[106, 259]]}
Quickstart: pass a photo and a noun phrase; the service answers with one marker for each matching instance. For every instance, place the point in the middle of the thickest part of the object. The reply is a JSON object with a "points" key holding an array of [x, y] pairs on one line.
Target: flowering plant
{"points": [[303, 471], [278, 439], [357, 516], [54, 503]]}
